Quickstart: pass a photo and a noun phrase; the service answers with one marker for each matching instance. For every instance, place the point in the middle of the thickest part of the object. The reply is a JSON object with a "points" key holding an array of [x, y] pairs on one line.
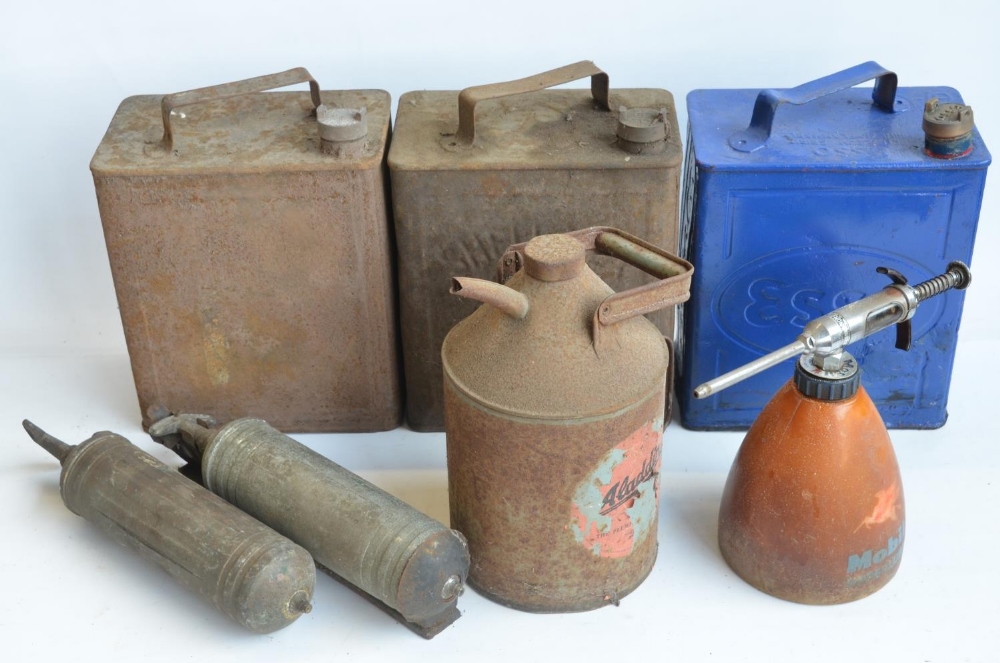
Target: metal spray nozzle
{"points": [[825, 338]]}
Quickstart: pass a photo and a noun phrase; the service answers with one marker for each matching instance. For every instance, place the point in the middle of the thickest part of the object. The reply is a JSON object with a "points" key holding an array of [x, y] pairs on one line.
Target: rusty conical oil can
{"points": [[554, 397]]}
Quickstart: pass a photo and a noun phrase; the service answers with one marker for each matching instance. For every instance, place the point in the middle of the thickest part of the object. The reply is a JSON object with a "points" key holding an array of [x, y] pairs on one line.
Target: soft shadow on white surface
{"points": [[689, 510], [691, 606]]}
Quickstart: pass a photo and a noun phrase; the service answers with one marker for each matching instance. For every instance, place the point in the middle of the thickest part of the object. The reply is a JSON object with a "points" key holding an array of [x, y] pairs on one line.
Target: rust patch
{"points": [[216, 353], [493, 187]]}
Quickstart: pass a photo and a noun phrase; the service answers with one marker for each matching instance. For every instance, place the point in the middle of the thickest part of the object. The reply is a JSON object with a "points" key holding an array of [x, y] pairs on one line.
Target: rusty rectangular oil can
{"points": [[251, 257], [475, 172]]}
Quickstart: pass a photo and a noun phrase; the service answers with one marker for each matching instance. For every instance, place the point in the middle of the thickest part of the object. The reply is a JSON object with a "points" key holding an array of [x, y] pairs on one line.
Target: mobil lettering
{"points": [[869, 558]]}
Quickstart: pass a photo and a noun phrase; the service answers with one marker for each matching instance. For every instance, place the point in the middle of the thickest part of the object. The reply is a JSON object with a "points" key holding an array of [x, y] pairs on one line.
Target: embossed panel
{"points": [[777, 257], [781, 292]]}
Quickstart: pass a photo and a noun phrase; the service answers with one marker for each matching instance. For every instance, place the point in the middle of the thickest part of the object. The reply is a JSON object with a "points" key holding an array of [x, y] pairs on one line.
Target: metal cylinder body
{"points": [[260, 579], [561, 515], [554, 427], [374, 541]]}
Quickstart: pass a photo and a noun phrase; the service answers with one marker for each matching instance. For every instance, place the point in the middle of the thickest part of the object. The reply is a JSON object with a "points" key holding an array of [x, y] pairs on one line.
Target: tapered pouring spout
{"points": [[508, 300], [53, 445], [753, 368]]}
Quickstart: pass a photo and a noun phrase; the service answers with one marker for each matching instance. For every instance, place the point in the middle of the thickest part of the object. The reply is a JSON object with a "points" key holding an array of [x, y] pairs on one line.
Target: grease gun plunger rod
{"points": [[825, 338]]}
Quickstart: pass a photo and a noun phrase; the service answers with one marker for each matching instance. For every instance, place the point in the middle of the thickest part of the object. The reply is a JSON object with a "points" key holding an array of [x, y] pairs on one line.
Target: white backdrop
{"points": [[65, 66]]}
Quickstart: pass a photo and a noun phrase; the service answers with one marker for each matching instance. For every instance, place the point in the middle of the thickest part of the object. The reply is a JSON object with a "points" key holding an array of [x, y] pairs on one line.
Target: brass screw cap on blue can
{"points": [[947, 129]]}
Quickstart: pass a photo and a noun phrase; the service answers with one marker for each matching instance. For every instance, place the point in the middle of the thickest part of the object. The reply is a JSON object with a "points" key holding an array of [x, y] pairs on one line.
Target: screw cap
{"points": [[839, 385]]}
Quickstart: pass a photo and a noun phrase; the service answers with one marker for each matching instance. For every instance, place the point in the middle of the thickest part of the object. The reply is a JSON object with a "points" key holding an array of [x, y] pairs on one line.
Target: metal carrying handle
{"points": [[762, 120], [235, 89], [674, 274], [470, 96]]}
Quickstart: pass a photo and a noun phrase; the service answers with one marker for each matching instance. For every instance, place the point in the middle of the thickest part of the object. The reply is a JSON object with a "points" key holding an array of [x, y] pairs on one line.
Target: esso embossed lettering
{"points": [[772, 303]]}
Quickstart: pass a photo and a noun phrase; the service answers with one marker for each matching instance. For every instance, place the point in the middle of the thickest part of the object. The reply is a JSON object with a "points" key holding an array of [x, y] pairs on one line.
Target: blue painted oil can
{"points": [[793, 198]]}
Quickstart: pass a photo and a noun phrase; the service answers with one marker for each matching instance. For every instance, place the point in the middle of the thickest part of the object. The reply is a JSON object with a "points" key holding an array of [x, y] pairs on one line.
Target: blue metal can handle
{"points": [[755, 135]]}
